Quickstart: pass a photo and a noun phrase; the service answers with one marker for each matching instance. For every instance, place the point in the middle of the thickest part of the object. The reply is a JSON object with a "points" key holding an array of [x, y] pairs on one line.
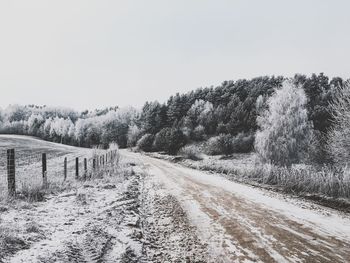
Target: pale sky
{"points": [[88, 54]]}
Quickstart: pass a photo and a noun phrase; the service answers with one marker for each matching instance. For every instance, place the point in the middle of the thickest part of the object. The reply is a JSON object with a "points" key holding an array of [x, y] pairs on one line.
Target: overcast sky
{"points": [[88, 54]]}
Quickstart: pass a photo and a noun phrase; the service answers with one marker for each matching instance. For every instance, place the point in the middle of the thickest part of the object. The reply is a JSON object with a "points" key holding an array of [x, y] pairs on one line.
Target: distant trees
{"points": [[229, 110], [284, 129], [61, 125]]}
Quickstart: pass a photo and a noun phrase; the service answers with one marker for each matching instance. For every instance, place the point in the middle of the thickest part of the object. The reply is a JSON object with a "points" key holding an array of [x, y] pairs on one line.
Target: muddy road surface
{"points": [[239, 223]]}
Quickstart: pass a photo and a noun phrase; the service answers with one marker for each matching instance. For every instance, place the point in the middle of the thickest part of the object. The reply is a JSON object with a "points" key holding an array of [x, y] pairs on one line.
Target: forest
{"points": [[228, 118]]}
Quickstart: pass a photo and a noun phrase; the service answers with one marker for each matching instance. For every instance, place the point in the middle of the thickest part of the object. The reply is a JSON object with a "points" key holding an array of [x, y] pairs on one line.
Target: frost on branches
{"points": [[339, 143], [284, 129]]}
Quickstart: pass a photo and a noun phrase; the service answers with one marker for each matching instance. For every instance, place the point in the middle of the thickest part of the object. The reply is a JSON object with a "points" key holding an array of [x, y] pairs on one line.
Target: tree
{"points": [[35, 121], [134, 134], [161, 140], [284, 129], [339, 135], [146, 142], [153, 117], [169, 140]]}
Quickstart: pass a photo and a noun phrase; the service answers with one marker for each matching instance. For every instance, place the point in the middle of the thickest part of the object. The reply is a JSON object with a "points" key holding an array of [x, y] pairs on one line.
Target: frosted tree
{"points": [[79, 131], [134, 134], [284, 129], [339, 135], [34, 123], [47, 127], [71, 130]]}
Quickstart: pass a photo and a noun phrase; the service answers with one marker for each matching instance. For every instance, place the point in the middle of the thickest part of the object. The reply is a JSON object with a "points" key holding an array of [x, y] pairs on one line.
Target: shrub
{"points": [[221, 144], [190, 152], [146, 142], [169, 140], [243, 143]]}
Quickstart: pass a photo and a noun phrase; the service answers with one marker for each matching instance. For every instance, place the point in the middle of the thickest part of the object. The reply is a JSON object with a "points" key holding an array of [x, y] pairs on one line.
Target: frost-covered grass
{"points": [[326, 181], [305, 180], [191, 152]]}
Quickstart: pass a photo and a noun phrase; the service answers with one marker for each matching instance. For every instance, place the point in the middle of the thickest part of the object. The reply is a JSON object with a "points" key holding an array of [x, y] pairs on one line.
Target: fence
{"points": [[21, 170]]}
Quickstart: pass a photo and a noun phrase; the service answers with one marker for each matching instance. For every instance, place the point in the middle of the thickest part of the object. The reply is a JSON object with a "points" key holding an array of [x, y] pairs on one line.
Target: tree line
{"points": [[227, 117]]}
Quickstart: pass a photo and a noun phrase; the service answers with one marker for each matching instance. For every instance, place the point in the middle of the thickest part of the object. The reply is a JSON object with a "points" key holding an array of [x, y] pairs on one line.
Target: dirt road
{"points": [[239, 223]]}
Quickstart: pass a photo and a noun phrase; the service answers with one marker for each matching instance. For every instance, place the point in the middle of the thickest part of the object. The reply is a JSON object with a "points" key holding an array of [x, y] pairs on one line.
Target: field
{"points": [[28, 162]]}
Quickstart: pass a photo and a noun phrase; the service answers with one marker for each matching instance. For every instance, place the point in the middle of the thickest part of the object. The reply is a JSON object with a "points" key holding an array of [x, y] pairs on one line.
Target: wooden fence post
{"points": [[103, 160], [85, 168], [77, 168], [106, 158], [11, 172], [65, 168], [94, 164], [44, 170]]}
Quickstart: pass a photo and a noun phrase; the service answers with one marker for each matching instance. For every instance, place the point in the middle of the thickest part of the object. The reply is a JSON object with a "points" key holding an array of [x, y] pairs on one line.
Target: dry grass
{"points": [[299, 179], [327, 181], [191, 152], [10, 242]]}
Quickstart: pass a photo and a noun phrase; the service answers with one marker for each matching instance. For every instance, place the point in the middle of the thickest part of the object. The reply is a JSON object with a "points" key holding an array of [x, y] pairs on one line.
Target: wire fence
{"points": [[23, 170]]}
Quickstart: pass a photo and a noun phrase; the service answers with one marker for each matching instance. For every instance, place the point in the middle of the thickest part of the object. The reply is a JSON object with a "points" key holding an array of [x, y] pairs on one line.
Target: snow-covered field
{"points": [[28, 161]]}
